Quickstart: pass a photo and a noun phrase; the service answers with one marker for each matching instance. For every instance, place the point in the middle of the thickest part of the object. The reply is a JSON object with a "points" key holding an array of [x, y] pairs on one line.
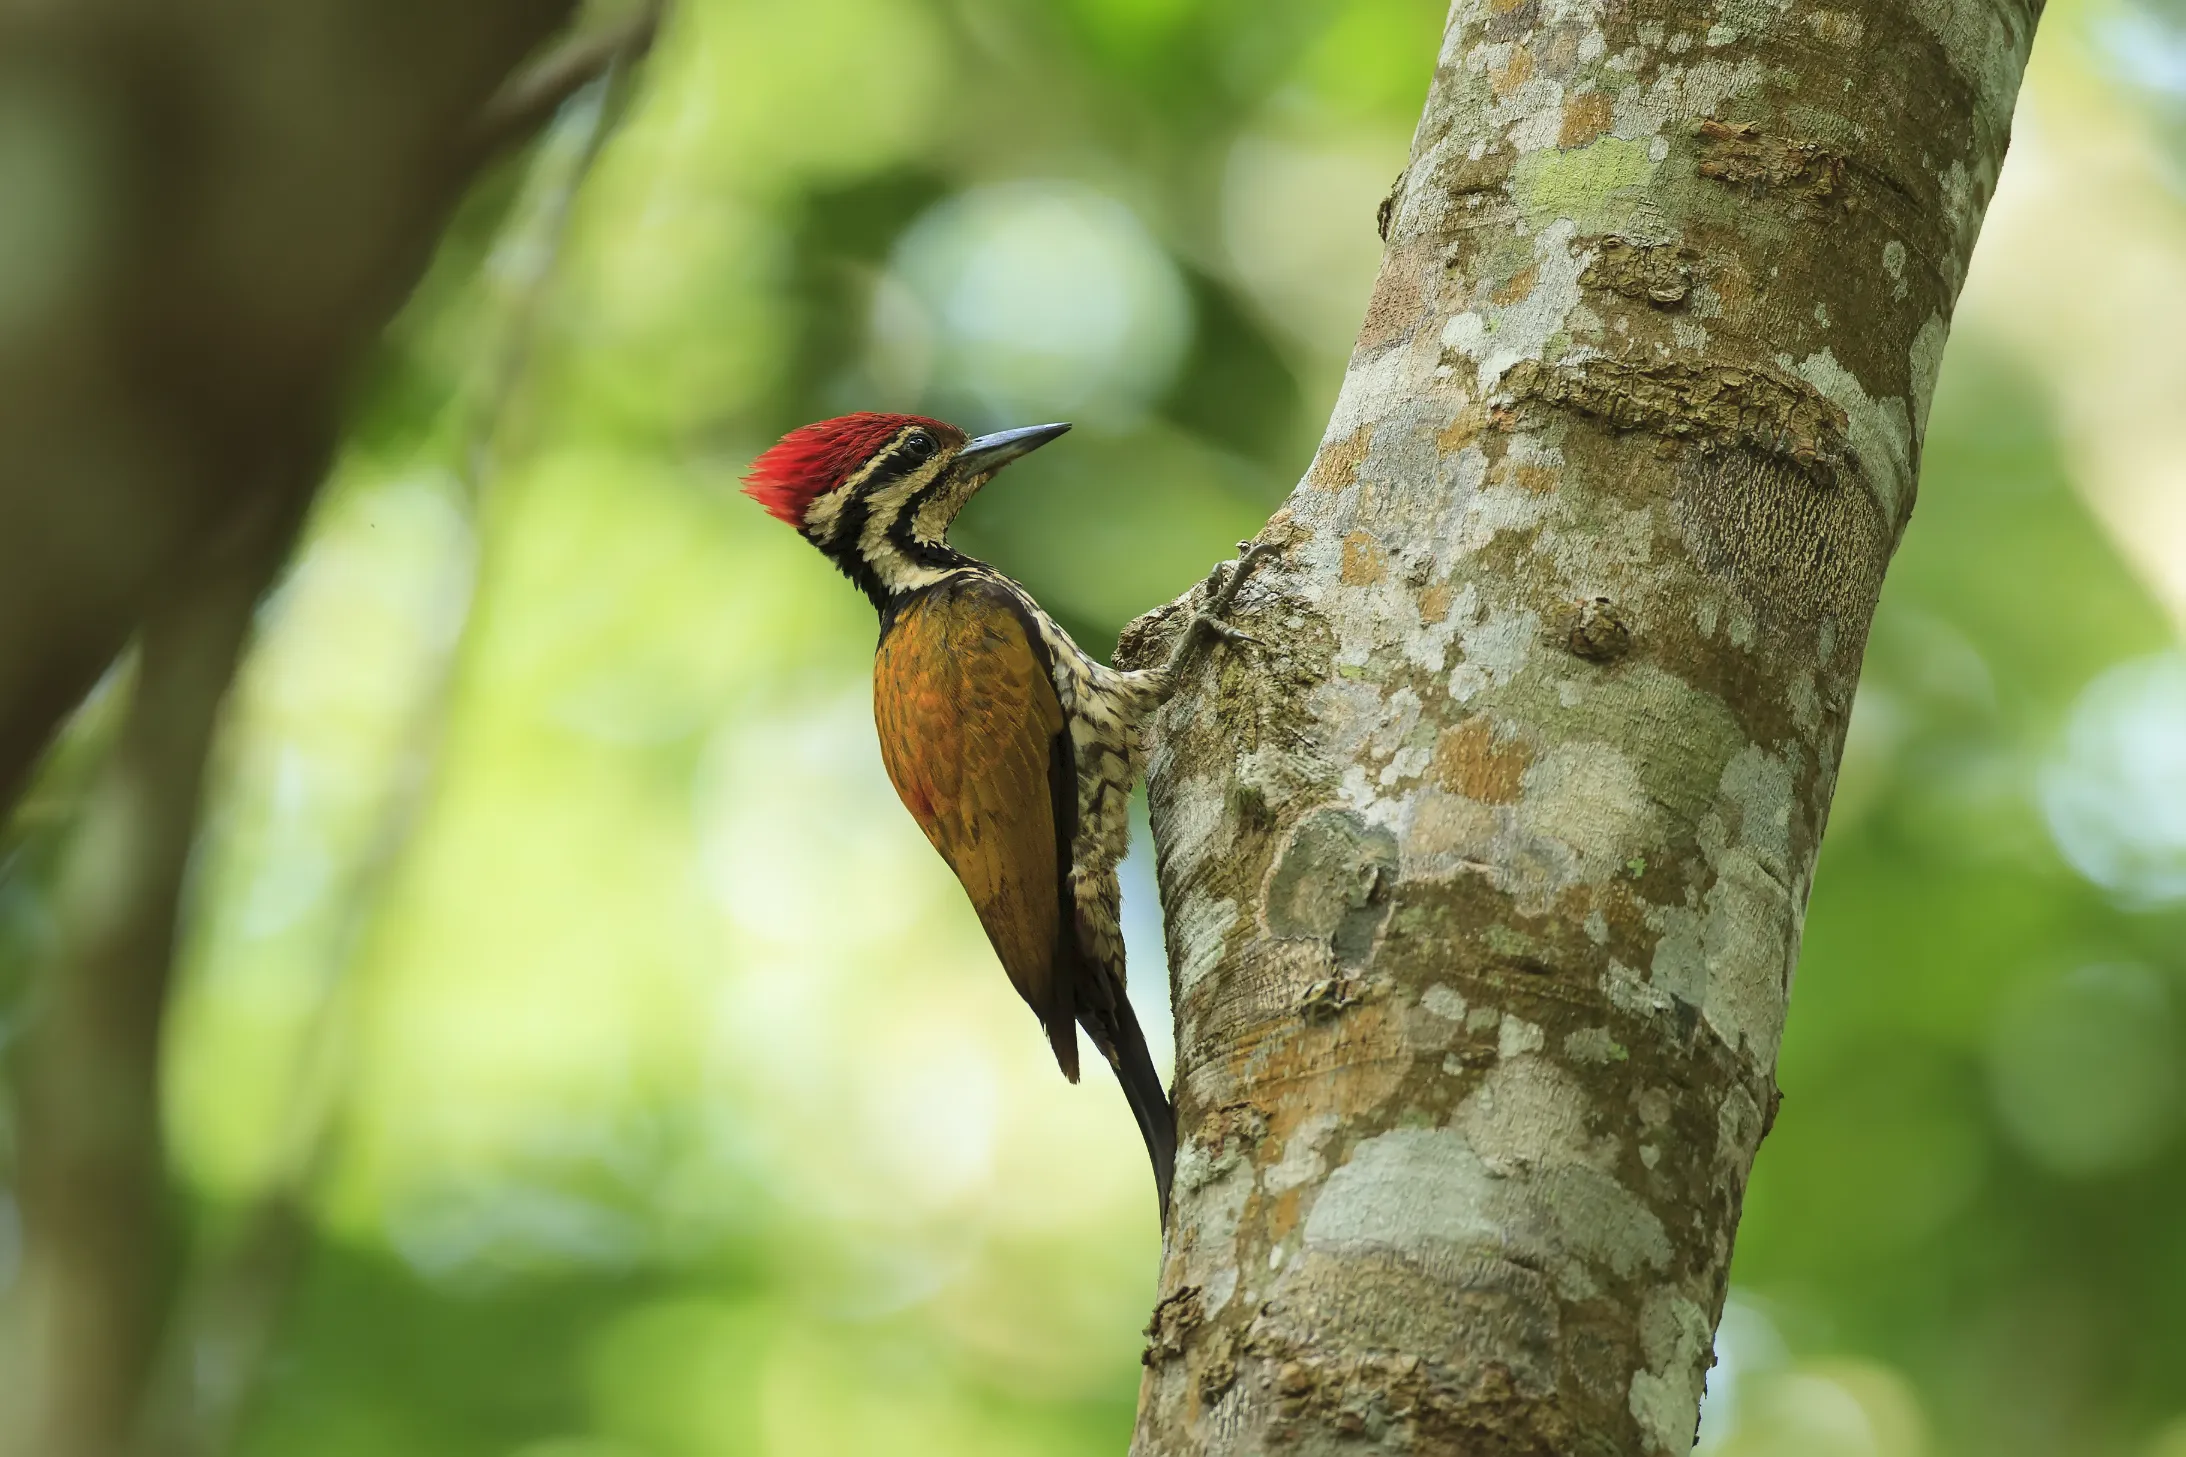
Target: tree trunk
{"points": [[1484, 877]]}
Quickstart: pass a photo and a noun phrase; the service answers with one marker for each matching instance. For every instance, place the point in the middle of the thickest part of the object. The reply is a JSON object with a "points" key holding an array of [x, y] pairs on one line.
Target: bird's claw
{"points": [[1222, 586], [1224, 595], [1224, 630]]}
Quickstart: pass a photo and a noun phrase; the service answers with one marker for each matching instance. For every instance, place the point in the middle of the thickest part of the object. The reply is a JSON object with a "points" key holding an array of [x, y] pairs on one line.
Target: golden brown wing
{"points": [[969, 727]]}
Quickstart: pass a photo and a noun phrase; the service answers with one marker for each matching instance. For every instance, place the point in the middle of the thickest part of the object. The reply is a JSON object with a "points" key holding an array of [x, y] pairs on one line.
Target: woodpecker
{"points": [[1013, 749]]}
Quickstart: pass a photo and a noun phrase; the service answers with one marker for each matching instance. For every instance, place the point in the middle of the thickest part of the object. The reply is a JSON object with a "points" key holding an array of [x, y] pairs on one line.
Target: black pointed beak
{"points": [[989, 453]]}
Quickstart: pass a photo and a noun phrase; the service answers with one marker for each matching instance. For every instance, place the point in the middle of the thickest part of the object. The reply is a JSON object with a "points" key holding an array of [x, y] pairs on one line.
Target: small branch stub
{"points": [[1387, 209], [1660, 274], [1175, 1318], [1740, 155], [1597, 633]]}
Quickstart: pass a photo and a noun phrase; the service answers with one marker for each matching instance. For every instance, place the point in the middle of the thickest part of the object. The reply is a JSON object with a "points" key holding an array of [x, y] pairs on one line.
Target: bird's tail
{"points": [[1125, 1047]]}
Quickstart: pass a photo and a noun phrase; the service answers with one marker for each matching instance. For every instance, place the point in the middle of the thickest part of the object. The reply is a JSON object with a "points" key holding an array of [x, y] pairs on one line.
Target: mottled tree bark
{"points": [[1485, 875]]}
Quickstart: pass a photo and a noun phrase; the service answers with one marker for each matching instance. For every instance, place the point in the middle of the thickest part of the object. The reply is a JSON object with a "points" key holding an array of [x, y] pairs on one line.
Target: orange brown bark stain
{"points": [[1398, 302], [1351, 1066], [1434, 603], [1364, 562], [1469, 760], [1514, 75], [1586, 118], [1463, 430], [1336, 468], [1515, 288]]}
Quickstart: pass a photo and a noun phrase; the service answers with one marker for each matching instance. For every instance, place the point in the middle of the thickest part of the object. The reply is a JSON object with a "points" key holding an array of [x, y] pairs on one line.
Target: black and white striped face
{"points": [[887, 524], [913, 462]]}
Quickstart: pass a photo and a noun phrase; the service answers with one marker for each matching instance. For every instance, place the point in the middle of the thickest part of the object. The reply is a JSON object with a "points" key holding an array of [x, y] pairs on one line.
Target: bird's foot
{"points": [[1221, 589]]}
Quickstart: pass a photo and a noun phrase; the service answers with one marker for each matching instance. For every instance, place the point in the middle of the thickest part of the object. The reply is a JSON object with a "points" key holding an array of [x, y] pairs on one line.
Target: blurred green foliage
{"points": [[667, 1100]]}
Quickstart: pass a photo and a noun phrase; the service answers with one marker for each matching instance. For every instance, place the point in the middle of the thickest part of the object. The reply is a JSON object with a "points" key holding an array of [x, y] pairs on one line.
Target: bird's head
{"points": [[878, 493]]}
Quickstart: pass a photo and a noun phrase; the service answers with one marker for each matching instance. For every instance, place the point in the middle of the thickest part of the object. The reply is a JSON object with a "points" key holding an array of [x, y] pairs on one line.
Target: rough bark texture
{"points": [[1484, 879]]}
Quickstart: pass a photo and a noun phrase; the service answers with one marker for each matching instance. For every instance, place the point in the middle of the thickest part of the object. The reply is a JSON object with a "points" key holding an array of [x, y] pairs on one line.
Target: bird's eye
{"points": [[920, 444]]}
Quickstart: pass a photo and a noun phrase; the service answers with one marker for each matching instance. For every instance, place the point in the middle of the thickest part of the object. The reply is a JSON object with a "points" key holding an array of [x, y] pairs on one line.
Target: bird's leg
{"points": [[1212, 620]]}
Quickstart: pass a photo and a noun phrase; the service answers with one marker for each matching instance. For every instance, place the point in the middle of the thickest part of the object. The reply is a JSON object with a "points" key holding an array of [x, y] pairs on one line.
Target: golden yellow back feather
{"points": [[969, 723]]}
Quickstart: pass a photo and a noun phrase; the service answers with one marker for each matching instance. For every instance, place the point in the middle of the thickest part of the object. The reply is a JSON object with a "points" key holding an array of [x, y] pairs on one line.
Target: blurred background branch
{"points": [[214, 220], [229, 1316], [206, 523], [515, 113], [91, 1179]]}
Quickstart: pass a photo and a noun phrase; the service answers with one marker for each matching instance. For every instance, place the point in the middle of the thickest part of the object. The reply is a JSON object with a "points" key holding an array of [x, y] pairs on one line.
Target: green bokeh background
{"points": [[661, 1095]]}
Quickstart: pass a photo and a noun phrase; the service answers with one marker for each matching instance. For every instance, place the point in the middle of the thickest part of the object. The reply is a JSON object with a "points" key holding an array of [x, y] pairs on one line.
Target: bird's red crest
{"points": [[812, 460]]}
